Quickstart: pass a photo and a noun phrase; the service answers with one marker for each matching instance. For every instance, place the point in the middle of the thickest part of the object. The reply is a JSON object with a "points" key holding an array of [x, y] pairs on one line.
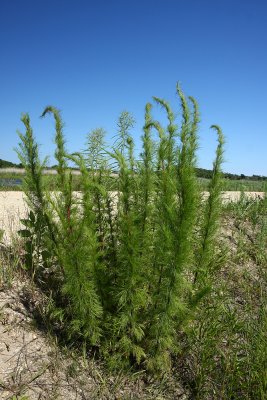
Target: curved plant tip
{"points": [[166, 106], [50, 109], [185, 108], [221, 138], [25, 118]]}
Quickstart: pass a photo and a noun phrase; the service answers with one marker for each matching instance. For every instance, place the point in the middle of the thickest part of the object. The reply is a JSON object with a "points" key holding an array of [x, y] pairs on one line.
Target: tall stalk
{"points": [[146, 167], [78, 249], [129, 289], [39, 225], [82, 259], [64, 180], [177, 202], [29, 157], [205, 254]]}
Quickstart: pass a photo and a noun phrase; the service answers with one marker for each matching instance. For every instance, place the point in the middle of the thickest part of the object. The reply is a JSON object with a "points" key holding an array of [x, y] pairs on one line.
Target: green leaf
{"points": [[24, 233], [27, 222], [45, 254], [32, 216], [28, 260], [29, 246]]}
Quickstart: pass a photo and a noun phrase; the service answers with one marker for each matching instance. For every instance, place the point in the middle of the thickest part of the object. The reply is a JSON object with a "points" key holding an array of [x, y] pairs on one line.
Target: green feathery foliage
{"points": [[60, 152], [100, 177], [38, 226], [80, 257], [176, 202], [125, 123], [29, 157], [130, 289], [95, 145], [64, 180], [207, 250], [126, 258], [77, 251], [145, 202]]}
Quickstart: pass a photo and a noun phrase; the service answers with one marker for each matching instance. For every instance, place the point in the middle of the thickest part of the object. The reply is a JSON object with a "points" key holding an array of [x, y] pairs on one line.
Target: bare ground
{"points": [[33, 364]]}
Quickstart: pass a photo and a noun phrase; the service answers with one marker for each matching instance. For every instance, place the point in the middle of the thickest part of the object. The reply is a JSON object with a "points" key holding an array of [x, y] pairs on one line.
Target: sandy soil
{"points": [[29, 364], [13, 208], [34, 367]]}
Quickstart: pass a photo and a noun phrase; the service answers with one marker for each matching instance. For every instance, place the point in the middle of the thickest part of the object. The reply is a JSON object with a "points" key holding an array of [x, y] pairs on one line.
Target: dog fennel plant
{"points": [[38, 222], [205, 253], [176, 196], [129, 272], [78, 250]]}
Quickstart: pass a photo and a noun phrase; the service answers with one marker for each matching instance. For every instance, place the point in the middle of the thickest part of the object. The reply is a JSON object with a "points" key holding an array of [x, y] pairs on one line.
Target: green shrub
{"points": [[127, 271]]}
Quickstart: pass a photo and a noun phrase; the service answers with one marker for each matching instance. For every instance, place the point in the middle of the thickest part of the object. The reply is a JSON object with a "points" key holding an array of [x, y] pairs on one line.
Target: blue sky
{"points": [[93, 59]]}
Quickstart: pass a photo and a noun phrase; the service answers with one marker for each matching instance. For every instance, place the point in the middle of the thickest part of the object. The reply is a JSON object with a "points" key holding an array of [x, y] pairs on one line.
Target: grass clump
{"points": [[224, 349], [127, 271]]}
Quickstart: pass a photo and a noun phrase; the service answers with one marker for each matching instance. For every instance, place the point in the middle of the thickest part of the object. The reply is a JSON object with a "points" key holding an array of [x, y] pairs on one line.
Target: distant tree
{"points": [[9, 164]]}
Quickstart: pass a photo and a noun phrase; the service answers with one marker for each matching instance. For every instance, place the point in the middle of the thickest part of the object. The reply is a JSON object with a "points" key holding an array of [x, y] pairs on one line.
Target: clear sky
{"points": [[93, 59]]}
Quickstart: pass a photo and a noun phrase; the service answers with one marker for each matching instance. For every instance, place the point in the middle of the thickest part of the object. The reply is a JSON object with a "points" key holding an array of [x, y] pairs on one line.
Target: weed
{"points": [[125, 276]]}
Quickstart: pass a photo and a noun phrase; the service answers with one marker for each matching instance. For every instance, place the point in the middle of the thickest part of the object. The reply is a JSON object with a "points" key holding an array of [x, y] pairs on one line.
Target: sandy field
{"points": [[13, 208], [21, 171]]}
